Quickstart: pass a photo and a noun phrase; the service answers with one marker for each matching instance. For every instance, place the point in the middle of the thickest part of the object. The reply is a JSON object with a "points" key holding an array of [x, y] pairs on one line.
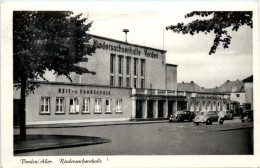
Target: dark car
{"points": [[182, 115], [248, 115]]}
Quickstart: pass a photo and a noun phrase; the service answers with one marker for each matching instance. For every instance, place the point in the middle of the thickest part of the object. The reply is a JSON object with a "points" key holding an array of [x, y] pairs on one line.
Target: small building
{"points": [[199, 98], [248, 87]]}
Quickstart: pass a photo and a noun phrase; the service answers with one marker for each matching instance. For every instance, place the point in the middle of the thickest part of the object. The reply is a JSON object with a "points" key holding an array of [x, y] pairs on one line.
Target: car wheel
{"points": [[170, 120], [242, 121], [197, 123], [208, 122], [221, 121]]}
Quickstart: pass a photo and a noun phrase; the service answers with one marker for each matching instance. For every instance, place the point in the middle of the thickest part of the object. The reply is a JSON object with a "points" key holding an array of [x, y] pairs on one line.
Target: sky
{"points": [[189, 52]]}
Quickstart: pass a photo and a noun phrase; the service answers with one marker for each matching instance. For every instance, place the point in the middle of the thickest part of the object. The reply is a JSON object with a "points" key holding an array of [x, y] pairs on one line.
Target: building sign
{"points": [[84, 91], [209, 97], [127, 50]]}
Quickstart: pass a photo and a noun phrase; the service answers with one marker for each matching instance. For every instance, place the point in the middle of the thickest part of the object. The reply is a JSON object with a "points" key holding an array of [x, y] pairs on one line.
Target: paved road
{"points": [[184, 138]]}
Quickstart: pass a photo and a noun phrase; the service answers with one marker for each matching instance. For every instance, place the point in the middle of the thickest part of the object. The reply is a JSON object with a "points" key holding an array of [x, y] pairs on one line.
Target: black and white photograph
{"points": [[94, 84]]}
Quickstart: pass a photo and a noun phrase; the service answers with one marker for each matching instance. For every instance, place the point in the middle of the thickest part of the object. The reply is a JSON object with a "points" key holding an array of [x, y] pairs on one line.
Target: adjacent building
{"points": [[198, 98], [236, 96], [248, 87]]}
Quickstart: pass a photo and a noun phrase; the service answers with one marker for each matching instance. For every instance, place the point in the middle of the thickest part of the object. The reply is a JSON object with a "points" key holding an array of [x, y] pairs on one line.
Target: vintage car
{"points": [[248, 115], [181, 116], [207, 117], [227, 114]]}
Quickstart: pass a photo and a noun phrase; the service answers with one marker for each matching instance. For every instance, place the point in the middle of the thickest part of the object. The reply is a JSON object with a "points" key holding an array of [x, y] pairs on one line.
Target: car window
{"points": [[201, 113]]}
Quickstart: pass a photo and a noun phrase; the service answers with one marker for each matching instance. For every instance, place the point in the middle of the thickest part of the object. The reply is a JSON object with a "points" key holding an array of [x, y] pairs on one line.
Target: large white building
{"points": [[131, 81]]}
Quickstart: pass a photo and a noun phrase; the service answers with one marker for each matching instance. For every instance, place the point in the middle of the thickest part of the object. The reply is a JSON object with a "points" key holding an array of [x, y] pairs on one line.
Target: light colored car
{"points": [[207, 117], [227, 114]]}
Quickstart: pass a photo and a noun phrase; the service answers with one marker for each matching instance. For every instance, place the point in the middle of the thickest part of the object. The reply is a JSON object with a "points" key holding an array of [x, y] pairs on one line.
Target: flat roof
{"points": [[123, 42], [168, 64]]}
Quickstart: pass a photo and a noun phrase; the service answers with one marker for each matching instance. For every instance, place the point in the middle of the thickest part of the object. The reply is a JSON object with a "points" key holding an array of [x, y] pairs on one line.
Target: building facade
{"points": [[248, 86], [198, 98], [131, 81]]}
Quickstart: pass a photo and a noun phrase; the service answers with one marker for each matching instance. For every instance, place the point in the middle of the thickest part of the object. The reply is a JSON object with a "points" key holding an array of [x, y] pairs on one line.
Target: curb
{"points": [[92, 124], [24, 150]]}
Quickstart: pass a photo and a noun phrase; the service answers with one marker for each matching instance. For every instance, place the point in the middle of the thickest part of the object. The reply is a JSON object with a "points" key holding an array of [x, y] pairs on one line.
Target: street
{"points": [[184, 138]]}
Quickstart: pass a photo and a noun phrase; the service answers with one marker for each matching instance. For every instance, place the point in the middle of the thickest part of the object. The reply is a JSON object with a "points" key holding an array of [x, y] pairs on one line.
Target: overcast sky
{"points": [[189, 52]]}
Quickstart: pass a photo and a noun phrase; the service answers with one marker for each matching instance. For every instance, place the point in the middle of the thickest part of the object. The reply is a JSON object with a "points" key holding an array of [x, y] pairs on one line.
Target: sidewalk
{"points": [[44, 142], [105, 123]]}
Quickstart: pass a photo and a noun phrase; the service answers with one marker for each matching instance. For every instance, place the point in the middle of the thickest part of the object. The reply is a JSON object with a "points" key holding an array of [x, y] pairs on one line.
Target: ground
{"points": [[184, 138]]}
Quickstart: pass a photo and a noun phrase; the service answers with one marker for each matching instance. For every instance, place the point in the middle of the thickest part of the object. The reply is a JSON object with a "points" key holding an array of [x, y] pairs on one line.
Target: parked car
{"points": [[248, 115], [227, 114], [182, 115], [207, 117]]}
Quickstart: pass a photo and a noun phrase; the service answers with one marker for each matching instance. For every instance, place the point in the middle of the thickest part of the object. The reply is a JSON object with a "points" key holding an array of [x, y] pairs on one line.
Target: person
{"points": [[221, 115]]}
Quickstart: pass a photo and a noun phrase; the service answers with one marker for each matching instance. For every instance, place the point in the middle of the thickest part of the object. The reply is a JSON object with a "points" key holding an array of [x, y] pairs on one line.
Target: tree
{"points": [[47, 41], [216, 22]]}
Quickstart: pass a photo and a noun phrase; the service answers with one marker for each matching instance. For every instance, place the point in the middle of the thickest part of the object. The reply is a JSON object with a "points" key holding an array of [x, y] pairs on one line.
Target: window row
{"points": [[128, 65], [128, 82], [75, 107]]}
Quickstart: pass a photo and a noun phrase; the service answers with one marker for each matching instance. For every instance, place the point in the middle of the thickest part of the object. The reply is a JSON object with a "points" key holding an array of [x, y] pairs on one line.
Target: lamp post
{"points": [[126, 31]]}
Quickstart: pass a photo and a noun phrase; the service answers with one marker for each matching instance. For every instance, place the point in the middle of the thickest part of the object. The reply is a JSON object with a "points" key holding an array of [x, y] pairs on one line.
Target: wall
{"points": [[249, 93], [51, 90], [240, 99], [171, 77], [100, 63]]}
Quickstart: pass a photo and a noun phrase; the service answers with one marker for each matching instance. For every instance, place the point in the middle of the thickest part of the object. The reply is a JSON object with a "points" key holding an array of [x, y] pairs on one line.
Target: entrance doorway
{"points": [[139, 105], [170, 106], [181, 105], [149, 109], [160, 108]]}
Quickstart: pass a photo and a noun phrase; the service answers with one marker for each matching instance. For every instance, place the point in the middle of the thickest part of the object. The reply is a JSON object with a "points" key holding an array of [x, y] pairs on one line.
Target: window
{"points": [[74, 105], [85, 105], [142, 67], [59, 105], [112, 63], [120, 81], [119, 105], [142, 83], [108, 105], [120, 64], [135, 66], [135, 82], [97, 105], [128, 81], [238, 95], [112, 80], [128, 65], [45, 105]]}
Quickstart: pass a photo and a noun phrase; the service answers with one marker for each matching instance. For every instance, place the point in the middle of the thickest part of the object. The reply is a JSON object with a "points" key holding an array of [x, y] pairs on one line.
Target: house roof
{"points": [[249, 79], [227, 87], [231, 86], [189, 87]]}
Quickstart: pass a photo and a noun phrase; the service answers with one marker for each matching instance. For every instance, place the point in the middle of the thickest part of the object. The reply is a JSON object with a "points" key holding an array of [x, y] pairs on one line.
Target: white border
{"points": [[120, 161]]}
